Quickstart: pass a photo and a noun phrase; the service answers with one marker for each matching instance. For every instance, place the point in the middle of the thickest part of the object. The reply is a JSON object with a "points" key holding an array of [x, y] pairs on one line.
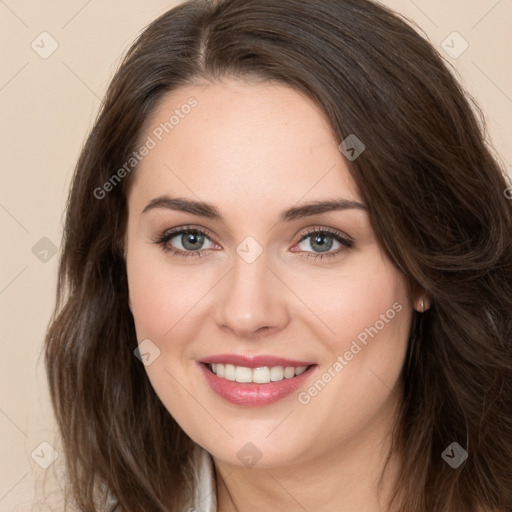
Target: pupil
{"points": [[320, 241], [193, 239]]}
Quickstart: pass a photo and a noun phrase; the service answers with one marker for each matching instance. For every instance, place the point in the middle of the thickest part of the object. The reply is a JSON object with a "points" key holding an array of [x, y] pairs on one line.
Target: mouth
{"points": [[255, 385], [259, 375]]}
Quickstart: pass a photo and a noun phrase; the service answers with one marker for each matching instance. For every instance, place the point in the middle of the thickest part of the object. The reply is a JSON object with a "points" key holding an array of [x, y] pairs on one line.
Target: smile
{"points": [[256, 386], [261, 375]]}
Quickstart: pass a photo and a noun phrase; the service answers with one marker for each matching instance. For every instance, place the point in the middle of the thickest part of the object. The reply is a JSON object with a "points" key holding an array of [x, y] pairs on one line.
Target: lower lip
{"points": [[251, 394]]}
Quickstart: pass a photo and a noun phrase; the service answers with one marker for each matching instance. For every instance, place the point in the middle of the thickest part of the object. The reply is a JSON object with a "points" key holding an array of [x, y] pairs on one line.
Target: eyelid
{"points": [[342, 238], [346, 242], [334, 232], [168, 234]]}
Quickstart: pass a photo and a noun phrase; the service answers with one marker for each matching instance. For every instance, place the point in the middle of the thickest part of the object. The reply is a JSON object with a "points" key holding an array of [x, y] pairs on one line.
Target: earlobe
{"points": [[422, 305], [420, 301]]}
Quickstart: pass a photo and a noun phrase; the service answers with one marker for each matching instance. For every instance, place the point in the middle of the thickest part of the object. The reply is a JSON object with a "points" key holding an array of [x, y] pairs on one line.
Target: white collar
{"points": [[205, 498]]}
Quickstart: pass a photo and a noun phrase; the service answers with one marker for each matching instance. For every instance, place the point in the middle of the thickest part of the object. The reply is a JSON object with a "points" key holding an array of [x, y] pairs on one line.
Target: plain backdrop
{"points": [[48, 102]]}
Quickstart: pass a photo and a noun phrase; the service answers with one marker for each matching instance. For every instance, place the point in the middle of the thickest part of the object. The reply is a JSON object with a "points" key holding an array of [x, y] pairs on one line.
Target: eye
{"points": [[322, 240], [189, 241]]}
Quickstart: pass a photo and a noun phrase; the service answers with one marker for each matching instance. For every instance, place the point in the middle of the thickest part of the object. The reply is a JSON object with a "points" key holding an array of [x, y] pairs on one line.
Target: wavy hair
{"points": [[436, 198]]}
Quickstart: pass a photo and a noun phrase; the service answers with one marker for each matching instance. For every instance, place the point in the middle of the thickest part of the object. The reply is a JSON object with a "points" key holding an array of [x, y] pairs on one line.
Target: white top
{"points": [[205, 499]]}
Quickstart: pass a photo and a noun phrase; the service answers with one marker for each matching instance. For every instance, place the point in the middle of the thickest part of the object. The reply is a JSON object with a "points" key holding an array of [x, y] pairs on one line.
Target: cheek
{"points": [[365, 320], [162, 295], [162, 299], [368, 315], [367, 298]]}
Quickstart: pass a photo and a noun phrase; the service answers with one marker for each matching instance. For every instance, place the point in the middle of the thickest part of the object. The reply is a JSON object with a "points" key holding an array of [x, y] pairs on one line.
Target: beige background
{"points": [[48, 106]]}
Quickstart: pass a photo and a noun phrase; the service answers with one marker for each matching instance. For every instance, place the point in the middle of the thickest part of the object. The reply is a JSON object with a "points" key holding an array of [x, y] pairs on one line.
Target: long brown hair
{"points": [[436, 200]]}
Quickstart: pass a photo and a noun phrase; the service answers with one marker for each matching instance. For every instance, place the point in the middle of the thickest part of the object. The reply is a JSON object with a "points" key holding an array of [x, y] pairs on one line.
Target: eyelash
{"points": [[166, 236]]}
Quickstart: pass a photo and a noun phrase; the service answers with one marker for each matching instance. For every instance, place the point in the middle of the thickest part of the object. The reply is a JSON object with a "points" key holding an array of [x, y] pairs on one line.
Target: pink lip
{"points": [[255, 361], [251, 394]]}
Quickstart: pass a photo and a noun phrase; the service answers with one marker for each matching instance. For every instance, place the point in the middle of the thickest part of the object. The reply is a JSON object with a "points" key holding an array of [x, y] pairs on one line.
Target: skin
{"points": [[253, 150]]}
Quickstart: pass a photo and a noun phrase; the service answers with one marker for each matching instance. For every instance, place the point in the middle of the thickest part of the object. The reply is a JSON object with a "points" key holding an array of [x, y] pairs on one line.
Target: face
{"points": [[255, 282]]}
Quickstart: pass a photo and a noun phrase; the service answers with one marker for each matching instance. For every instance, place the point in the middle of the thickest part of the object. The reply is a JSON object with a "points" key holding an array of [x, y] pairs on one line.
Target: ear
{"points": [[420, 299]]}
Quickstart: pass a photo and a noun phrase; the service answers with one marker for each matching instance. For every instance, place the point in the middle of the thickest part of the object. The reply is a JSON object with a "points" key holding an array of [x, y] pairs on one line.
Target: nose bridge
{"points": [[250, 297]]}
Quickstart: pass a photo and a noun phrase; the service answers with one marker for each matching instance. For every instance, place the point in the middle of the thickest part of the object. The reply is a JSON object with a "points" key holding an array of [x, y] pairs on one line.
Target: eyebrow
{"points": [[203, 209]]}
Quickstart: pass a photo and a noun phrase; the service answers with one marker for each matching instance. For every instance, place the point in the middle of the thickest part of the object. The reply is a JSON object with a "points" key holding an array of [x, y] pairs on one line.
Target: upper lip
{"points": [[254, 361]]}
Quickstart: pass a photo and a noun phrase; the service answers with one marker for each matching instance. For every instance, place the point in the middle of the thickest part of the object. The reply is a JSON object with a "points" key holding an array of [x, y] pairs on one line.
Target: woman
{"points": [[205, 354]]}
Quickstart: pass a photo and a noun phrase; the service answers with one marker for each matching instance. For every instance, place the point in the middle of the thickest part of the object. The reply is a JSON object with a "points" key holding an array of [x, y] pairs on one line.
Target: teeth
{"points": [[262, 375], [243, 374], [229, 372]]}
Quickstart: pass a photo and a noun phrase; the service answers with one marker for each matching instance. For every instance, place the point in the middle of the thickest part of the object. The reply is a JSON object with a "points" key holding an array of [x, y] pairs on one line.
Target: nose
{"points": [[252, 299]]}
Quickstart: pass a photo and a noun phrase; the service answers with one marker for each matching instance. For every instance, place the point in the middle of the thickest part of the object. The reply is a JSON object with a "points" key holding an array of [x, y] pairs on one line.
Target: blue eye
{"points": [[323, 239], [192, 242]]}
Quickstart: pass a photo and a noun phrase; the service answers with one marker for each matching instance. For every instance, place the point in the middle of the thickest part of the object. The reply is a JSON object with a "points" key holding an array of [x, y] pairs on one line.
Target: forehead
{"points": [[237, 139]]}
